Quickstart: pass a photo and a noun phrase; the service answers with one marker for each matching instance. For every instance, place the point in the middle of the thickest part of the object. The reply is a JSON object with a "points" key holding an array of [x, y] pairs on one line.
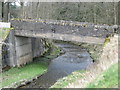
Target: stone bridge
{"points": [[20, 51]]}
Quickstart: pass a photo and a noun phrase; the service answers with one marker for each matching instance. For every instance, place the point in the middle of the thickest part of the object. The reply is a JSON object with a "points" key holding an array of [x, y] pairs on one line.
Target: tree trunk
{"points": [[94, 14], [115, 15], [37, 10], [2, 11], [6, 11], [118, 13], [22, 9]]}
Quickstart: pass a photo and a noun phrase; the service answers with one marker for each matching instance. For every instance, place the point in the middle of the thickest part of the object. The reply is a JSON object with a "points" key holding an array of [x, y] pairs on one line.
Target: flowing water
{"points": [[75, 58]]}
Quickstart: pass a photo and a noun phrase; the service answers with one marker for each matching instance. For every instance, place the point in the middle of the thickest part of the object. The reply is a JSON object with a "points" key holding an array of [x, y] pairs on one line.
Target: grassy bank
{"points": [[62, 83], [107, 79], [15, 76], [103, 74]]}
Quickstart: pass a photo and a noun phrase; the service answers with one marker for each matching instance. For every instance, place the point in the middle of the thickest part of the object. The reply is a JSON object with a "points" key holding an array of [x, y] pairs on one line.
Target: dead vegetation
{"points": [[108, 57]]}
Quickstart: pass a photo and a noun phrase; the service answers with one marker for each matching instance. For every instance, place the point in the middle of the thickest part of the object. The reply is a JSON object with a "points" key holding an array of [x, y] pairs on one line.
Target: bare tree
{"points": [[22, 9], [115, 14], [2, 10]]}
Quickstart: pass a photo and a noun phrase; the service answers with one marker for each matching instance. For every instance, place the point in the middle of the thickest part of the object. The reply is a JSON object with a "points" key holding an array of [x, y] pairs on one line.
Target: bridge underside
{"points": [[63, 37]]}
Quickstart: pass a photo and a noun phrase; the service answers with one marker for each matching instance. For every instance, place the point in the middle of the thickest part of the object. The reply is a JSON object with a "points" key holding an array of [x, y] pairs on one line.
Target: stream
{"points": [[75, 58]]}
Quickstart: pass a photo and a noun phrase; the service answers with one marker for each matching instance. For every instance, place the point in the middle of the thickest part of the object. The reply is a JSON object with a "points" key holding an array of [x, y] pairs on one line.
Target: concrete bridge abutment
{"points": [[23, 50], [20, 50]]}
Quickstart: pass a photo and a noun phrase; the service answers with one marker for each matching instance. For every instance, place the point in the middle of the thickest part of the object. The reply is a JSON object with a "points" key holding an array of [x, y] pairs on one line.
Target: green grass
{"points": [[107, 79], [61, 83], [29, 71]]}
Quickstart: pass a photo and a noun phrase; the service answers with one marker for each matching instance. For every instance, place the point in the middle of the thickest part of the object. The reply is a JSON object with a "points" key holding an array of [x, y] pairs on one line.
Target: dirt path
{"points": [[108, 57]]}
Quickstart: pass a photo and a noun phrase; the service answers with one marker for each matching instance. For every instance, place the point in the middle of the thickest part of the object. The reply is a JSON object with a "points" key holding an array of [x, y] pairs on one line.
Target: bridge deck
{"points": [[60, 30], [64, 37]]}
